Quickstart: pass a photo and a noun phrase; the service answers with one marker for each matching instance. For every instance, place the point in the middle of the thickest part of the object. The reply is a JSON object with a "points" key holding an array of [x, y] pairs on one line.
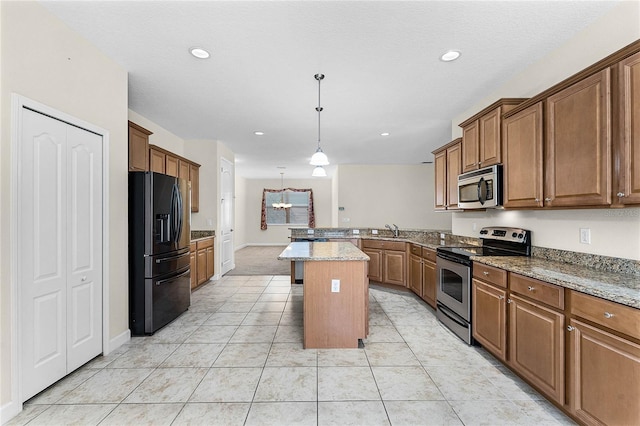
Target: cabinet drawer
{"points": [[429, 254], [204, 243], [415, 249], [540, 291], [193, 246], [608, 314], [386, 245], [490, 274]]}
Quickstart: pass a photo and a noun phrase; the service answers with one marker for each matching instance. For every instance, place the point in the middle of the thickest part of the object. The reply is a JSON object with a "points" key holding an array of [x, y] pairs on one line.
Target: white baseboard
{"points": [[117, 341], [9, 411]]}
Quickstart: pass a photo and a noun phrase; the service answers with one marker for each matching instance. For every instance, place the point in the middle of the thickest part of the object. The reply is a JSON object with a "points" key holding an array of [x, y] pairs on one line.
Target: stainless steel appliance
{"points": [[454, 271], [480, 189], [159, 237]]}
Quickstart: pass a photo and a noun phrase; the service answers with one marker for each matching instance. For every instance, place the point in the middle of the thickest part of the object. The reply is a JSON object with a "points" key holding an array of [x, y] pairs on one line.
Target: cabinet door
{"points": [[201, 260], [210, 262], [489, 144], [454, 164], [194, 176], [536, 346], [138, 148], [629, 130], [470, 141], [440, 167], [429, 282], [489, 310], [578, 144], [604, 373], [171, 165], [522, 153], [375, 264], [183, 170], [157, 161], [394, 267], [194, 269], [415, 274]]}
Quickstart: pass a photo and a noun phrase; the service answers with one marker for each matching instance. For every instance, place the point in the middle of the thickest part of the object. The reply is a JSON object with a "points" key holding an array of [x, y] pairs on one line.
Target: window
{"points": [[300, 213]]}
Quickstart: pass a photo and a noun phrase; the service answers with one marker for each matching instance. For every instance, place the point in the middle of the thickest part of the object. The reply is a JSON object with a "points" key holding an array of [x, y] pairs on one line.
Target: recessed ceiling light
{"points": [[258, 133], [385, 134], [199, 52], [450, 55]]}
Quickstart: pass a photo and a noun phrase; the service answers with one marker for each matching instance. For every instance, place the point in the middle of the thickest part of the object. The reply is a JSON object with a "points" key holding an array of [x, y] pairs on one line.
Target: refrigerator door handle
{"points": [[173, 278], [180, 214]]}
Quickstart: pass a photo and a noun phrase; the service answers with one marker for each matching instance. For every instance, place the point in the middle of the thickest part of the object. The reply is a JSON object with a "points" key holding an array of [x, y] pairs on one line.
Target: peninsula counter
{"points": [[335, 294]]}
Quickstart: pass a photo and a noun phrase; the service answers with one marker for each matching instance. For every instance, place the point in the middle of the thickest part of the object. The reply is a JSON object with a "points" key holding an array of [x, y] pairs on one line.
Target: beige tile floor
{"points": [[236, 358]]}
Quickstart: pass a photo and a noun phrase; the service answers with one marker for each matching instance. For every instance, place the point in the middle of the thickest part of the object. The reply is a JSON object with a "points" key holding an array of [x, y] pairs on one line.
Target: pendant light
{"points": [[319, 171], [281, 204], [319, 158]]}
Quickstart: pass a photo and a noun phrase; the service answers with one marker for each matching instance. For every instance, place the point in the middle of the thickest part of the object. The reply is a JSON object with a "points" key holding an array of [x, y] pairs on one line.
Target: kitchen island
{"points": [[335, 295]]}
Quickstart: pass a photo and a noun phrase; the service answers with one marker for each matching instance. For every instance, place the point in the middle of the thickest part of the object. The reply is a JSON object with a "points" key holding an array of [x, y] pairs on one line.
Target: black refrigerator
{"points": [[159, 238]]}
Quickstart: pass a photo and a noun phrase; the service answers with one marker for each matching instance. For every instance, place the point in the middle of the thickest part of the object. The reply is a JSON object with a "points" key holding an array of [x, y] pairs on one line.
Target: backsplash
{"points": [[433, 237]]}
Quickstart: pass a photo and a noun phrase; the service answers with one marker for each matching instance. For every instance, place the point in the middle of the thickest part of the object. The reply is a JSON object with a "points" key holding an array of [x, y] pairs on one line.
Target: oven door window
{"points": [[451, 284]]}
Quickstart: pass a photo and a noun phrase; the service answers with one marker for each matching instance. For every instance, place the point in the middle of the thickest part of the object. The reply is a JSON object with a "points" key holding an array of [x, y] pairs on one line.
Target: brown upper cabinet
{"points": [[481, 135], [447, 165], [138, 148], [578, 144], [627, 74]]}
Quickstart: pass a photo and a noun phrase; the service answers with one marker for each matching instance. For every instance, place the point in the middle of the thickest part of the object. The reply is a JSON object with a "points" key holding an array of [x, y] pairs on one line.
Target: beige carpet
{"points": [[260, 260]]}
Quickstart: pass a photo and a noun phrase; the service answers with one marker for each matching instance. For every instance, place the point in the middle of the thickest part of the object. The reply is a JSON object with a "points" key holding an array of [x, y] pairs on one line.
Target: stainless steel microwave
{"points": [[480, 189]]}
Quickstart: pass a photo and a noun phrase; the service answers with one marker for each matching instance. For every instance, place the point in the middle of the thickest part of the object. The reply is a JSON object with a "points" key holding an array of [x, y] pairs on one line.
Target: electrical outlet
{"points": [[374, 232], [335, 286], [585, 235], [309, 231], [356, 232], [442, 236]]}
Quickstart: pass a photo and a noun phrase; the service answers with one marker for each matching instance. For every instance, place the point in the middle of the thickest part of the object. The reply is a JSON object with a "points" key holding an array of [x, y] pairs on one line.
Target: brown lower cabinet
{"points": [[422, 273], [387, 261], [582, 353], [202, 261]]}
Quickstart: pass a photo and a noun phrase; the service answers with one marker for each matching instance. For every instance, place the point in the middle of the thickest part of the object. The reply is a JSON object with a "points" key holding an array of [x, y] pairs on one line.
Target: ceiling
{"points": [[380, 60]]}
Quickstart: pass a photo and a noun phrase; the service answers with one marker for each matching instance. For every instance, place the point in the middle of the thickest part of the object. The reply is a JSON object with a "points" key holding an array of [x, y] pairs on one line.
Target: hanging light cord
{"points": [[319, 77]]}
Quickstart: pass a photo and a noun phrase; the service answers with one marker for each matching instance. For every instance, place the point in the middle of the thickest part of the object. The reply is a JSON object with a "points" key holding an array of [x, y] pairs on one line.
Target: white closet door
{"points": [[84, 249], [55, 313], [226, 214]]}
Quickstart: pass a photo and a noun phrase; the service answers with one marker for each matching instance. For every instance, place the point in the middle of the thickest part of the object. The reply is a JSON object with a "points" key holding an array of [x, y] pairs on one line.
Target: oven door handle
{"points": [[451, 315]]}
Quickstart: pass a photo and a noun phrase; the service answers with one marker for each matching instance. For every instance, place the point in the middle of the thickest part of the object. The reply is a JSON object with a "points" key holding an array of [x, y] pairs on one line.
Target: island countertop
{"points": [[322, 251]]}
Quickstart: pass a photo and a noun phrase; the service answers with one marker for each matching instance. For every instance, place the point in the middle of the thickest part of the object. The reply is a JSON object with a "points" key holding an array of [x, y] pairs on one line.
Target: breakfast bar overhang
{"points": [[335, 295]]}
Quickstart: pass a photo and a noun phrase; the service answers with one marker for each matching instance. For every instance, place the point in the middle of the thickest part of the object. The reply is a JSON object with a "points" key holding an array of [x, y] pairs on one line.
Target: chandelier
{"points": [[281, 204], [319, 158]]}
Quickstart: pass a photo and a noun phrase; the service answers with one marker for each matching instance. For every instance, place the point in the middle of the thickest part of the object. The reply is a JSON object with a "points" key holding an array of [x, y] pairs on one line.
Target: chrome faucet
{"points": [[396, 231]]}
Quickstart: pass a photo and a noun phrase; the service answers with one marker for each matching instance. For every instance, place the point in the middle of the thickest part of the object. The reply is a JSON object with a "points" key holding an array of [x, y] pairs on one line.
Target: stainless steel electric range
{"points": [[454, 272]]}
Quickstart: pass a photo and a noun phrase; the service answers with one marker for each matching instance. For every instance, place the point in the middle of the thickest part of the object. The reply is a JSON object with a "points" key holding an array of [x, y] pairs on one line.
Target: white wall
{"points": [[44, 60], [240, 213], [278, 234], [161, 137], [205, 153], [613, 232], [373, 196]]}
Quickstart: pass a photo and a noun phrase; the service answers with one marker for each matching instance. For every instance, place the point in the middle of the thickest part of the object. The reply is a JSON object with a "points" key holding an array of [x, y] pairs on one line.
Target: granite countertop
{"points": [[619, 288], [312, 251], [199, 235]]}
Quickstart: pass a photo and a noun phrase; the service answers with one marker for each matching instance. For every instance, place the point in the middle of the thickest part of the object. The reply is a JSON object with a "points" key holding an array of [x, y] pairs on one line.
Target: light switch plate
{"points": [[374, 232], [356, 232], [335, 286], [585, 235], [310, 231]]}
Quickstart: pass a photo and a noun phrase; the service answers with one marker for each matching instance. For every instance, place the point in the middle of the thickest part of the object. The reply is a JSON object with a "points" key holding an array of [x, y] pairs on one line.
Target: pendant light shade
{"points": [[319, 171], [319, 158], [281, 204]]}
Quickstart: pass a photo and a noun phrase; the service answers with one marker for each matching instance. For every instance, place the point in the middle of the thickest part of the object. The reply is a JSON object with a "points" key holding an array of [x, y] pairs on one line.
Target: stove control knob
{"points": [[521, 236], [514, 235]]}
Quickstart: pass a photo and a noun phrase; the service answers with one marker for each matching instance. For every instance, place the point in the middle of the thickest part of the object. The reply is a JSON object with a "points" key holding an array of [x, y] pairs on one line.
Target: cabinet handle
{"points": [[485, 273], [620, 194], [608, 315], [84, 278], [537, 200], [570, 328], [530, 288], [547, 199], [509, 300], [500, 297]]}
